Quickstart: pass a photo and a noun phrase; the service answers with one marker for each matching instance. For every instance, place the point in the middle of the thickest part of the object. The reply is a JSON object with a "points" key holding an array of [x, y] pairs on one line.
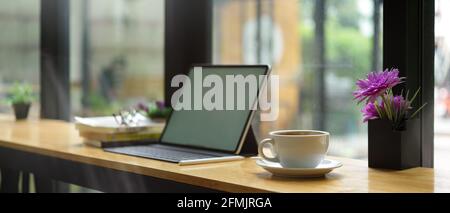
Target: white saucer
{"points": [[326, 166]]}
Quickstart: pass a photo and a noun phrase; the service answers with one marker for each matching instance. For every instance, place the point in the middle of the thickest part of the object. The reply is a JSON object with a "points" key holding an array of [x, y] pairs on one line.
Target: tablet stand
{"points": [[250, 146]]}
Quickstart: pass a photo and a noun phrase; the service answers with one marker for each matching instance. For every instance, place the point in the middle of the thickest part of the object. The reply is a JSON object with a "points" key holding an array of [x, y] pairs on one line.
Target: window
{"points": [[19, 48], [117, 52], [318, 48], [442, 83]]}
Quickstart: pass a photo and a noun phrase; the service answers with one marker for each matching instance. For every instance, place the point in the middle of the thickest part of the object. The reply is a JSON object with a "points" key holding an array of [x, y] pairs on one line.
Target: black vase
{"points": [[21, 110], [392, 149]]}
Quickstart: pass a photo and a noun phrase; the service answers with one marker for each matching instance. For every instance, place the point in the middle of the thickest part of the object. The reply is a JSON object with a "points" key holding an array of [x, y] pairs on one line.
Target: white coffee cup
{"points": [[297, 148]]}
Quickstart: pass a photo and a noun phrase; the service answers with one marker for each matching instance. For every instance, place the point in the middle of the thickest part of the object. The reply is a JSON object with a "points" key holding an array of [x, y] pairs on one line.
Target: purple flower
{"points": [[400, 103], [376, 84], [142, 106], [160, 104], [380, 101], [370, 111], [398, 107]]}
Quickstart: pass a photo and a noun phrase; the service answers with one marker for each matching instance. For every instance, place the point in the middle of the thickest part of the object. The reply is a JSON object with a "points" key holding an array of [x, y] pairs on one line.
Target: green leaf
{"points": [[378, 110], [387, 107], [417, 111], [415, 95]]}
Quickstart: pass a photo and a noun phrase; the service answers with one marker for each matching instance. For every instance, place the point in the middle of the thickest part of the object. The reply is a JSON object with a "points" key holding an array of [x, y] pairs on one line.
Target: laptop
{"points": [[205, 135]]}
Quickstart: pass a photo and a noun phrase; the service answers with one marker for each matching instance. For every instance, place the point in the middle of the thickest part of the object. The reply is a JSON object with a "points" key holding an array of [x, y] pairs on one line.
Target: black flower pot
{"points": [[391, 149], [21, 110]]}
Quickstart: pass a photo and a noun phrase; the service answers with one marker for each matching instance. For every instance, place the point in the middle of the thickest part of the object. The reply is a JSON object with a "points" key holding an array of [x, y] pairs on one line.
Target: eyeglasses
{"points": [[126, 117]]}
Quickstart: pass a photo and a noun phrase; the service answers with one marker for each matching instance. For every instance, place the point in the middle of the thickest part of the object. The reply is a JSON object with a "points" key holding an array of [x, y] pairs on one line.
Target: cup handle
{"points": [[261, 153]]}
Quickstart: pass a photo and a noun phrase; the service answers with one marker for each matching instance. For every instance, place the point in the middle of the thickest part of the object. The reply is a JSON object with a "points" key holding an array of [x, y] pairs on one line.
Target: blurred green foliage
{"points": [[348, 56], [99, 106], [20, 93]]}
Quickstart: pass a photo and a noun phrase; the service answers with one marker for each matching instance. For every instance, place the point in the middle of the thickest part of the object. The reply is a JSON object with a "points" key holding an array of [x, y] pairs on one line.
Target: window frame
{"points": [[408, 43], [55, 59]]}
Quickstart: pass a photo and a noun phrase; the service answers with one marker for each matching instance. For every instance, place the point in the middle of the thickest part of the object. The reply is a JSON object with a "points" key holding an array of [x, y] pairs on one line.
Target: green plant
{"points": [[20, 93]]}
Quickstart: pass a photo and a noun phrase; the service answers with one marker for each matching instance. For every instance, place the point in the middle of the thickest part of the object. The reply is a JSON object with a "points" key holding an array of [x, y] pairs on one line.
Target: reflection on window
{"points": [[116, 54], [442, 84], [318, 48], [19, 48]]}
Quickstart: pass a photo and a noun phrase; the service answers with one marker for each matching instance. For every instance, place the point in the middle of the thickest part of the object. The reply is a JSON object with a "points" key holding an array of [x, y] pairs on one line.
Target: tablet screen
{"points": [[214, 127]]}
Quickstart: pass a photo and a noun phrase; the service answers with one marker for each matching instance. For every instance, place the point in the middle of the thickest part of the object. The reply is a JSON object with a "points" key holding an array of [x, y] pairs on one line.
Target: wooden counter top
{"points": [[60, 140]]}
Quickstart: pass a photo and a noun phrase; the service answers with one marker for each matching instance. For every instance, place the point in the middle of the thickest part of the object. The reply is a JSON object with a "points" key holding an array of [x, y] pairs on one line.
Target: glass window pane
{"points": [[318, 48], [116, 54], [442, 84], [19, 48]]}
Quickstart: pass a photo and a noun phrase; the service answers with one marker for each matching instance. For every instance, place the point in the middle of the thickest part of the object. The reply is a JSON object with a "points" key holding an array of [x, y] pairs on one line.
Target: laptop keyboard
{"points": [[166, 153]]}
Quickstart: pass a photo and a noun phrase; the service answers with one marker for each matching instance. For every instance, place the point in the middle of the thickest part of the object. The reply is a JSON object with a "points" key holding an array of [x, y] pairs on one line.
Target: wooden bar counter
{"points": [[53, 148]]}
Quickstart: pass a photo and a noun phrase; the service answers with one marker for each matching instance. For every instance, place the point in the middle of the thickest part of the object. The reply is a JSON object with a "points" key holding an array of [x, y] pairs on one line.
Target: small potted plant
{"points": [[20, 97], [391, 146], [157, 111]]}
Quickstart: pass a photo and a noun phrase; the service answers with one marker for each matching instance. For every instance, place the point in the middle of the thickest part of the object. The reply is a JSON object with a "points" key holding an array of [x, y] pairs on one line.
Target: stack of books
{"points": [[107, 132]]}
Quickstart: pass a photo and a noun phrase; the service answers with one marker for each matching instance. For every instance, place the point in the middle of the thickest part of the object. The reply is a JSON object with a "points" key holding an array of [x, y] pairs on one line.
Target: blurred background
{"points": [[318, 47], [442, 85]]}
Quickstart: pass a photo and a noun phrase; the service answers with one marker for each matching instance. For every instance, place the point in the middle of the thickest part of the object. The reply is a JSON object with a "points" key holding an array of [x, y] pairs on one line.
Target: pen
{"points": [[210, 160]]}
